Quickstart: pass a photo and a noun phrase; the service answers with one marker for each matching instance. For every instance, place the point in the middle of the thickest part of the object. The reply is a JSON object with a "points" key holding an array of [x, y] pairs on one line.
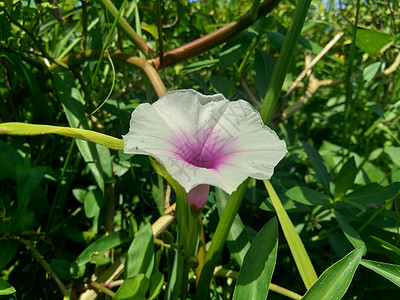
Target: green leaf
{"points": [[234, 49], [321, 173], [62, 268], [74, 107], [28, 179], [198, 65], [263, 68], [6, 288], [237, 241], [156, 284], [296, 246], [370, 71], [307, 196], [259, 264], [81, 134], [335, 280], [8, 250], [152, 29], [350, 233], [372, 41], [387, 246], [93, 202], [346, 176], [389, 271], [373, 193], [394, 154], [103, 244], [9, 160], [133, 288], [140, 257]]}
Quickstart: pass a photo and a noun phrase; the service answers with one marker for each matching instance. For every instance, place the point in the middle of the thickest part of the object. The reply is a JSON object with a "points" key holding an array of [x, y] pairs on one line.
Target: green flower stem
{"points": [[126, 29], [285, 57], [218, 241], [296, 246]]}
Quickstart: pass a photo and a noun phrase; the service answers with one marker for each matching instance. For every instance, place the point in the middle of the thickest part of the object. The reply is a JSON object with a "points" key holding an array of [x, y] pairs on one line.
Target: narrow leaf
{"points": [[140, 258], [296, 246], [389, 271], [259, 264], [350, 233], [373, 193], [335, 280], [346, 176], [321, 173], [6, 288], [307, 196], [102, 245]]}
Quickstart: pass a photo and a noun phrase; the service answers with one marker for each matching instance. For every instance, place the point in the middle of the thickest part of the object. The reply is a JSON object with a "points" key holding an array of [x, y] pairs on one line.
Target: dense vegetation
{"points": [[75, 216]]}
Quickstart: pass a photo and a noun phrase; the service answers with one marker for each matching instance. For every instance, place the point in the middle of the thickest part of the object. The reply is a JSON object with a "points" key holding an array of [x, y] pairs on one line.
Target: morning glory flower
{"points": [[204, 140]]}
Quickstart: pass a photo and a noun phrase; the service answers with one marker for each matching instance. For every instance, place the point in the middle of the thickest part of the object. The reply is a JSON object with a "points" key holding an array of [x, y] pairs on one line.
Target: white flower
{"points": [[205, 140]]}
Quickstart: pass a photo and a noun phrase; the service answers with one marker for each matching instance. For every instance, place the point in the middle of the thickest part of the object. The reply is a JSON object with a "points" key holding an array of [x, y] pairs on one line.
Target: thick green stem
{"points": [[218, 241], [285, 57]]}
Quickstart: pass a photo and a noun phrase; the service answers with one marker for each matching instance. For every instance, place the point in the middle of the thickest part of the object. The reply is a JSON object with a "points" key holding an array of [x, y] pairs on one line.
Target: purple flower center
{"points": [[203, 153]]}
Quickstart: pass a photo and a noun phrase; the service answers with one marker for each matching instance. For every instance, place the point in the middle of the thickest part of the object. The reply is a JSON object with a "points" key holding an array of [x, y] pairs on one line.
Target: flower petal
{"points": [[205, 139]]}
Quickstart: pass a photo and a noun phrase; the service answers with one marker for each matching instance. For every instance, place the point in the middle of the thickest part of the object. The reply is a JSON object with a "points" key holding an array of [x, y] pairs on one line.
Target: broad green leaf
{"points": [[6, 288], [263, 68], [335, 280], [234, 49], [81, 134], [140, 257], [373, 193], [103, 244], [372, 41], [307, 196], [394, 154], [296, 246], [133, 288], [156, 284], [321, 173], [346, 176], [258, 265], [27, 180], [237, 241], [350, 233], [389, 271], [93, 202]]}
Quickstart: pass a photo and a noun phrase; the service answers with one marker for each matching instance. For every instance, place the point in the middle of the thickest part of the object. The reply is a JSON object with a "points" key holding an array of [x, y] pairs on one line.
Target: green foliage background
{"points": [[79, 205]]}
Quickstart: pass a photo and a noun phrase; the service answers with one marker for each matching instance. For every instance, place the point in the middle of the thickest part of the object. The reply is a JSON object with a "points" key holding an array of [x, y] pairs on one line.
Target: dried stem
{"points": [[314, 62]]}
